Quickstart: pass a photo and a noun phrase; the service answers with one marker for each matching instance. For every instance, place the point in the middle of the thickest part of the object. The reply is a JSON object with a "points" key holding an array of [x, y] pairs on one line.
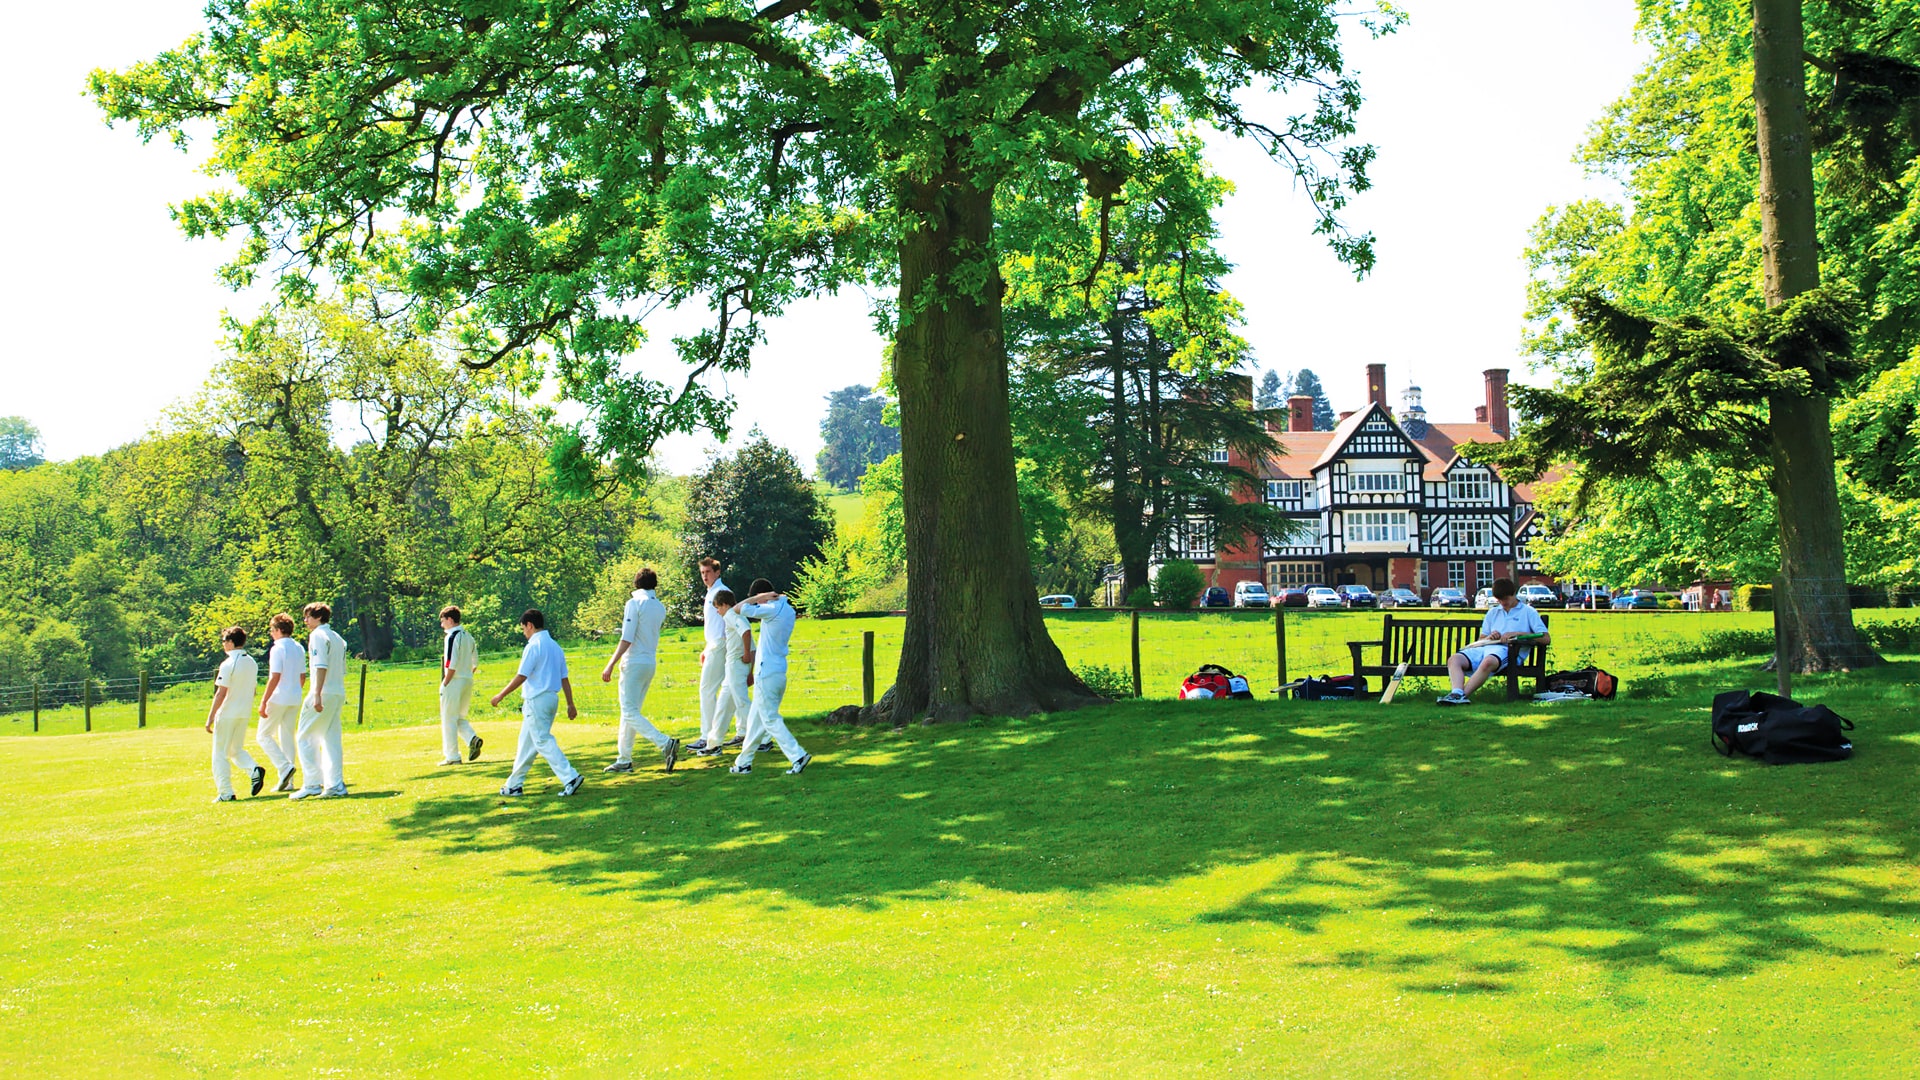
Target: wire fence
{"points": [[829, 667]]}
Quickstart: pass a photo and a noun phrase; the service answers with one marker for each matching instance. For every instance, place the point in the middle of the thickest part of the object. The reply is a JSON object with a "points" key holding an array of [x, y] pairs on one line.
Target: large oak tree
{"points": [[539, 174]]}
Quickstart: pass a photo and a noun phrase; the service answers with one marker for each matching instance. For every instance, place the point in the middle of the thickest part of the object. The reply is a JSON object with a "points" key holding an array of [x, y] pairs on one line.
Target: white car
{"points": [[1322, 597], [1251, 594], [1483, 599], [1058, 600]]}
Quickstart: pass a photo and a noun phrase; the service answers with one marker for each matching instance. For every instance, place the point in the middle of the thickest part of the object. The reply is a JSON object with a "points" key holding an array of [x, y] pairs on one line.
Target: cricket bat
{"points": [[1393, 684]]}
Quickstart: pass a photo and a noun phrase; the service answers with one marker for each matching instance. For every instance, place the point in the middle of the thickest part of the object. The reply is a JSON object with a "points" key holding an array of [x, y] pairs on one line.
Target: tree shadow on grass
{"points": [[1606, 831]]}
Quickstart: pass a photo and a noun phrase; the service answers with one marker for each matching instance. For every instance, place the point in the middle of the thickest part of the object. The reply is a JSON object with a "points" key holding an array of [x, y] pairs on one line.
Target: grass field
{"points": [[1144, 889]]}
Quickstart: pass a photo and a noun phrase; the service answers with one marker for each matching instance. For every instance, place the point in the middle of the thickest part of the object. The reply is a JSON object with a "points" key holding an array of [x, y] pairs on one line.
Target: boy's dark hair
{"points": [[646, 579], [532, 617], [283, 622], [723, 598], [320, 612], [710, 563], [450, 612], [1504, 588], [234, 636], [759, 586]]}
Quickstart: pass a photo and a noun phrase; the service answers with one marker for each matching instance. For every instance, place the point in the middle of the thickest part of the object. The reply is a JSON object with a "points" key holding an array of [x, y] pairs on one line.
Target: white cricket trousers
{"points": [[635, 679], [318, 738], [768, 688], [455, 697], [276, 735], [230, 742], [716, 704], [536, 738]]}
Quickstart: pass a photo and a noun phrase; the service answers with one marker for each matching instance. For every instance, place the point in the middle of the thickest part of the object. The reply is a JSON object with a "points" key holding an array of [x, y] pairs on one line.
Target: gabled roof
{"points": [[1302, 449], [1344, 430]]}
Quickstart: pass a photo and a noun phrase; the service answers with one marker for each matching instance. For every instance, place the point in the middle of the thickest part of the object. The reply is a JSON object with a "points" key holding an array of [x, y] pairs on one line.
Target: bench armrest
{"points": [[1358, 647]]}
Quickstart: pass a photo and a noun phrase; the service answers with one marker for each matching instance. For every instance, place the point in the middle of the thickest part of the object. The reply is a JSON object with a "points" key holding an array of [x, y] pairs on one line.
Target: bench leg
{"points": [[1513, 686]]}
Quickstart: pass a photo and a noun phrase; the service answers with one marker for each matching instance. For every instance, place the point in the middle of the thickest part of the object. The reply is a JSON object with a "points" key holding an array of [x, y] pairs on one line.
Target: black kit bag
{"points": [[1777, 730], [1589, 680], [1331, 688]]}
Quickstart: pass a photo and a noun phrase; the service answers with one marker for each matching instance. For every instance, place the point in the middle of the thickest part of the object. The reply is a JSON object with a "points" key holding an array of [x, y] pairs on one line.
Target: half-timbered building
{"points": [[1383, 500]]}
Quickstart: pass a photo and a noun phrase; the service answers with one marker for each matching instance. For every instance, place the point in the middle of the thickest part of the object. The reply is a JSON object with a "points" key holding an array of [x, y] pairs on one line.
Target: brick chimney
{"points": [[1300, 413], [1377, 385], [1479, 414], [1344, 415], [1497, 402]]}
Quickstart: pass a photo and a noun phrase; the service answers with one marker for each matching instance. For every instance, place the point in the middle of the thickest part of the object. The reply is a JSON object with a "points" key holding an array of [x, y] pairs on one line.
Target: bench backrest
{"points": [[1431, 640]]}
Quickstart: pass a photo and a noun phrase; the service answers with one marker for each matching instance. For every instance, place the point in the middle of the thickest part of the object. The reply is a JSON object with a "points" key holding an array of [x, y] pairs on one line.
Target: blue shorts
{"points": [[1477, 655]]}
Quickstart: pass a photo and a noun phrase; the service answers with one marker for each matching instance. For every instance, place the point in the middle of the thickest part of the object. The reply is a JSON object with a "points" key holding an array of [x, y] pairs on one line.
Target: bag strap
{"points": [[1725, 748]]}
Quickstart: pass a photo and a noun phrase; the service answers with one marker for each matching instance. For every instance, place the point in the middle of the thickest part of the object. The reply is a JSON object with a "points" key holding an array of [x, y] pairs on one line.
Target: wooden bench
{"points": [[1430, 642]]}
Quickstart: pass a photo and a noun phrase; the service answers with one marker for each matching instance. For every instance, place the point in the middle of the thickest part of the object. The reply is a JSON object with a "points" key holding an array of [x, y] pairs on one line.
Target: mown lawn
{"points": [[1143, 889]]}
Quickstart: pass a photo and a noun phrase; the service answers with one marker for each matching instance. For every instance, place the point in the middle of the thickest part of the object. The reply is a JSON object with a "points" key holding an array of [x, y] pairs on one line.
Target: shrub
{"points": [[1106, 680], [1177, 585], [1899, 637], [1141, 597], [1753, 598]]}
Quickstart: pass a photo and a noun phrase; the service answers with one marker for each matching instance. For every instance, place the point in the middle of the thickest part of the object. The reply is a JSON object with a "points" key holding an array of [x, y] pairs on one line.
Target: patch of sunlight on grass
{"points": [[1247, 738], [1536, 721], [875, 759], [1332, 779], [1584, 938], [1702, 922], [911, 795], [743, 842], [1327, 731]]}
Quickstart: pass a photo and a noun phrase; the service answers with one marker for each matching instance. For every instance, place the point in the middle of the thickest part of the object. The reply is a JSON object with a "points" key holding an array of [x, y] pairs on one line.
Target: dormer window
{"points": [[1470, 485], [1217, 455], [1278, 490], [1379, 482]]}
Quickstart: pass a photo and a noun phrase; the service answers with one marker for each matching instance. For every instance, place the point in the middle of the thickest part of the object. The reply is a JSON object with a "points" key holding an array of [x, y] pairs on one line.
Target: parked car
{"points": [[1319, 596], [1251, 594], [1483, 599], [1450, 598], [1539, 596], [1589, 598], [1215, 596], [1400, 598], [1357, 596], [1292, 596], [1636, 600], [1059, 600]]}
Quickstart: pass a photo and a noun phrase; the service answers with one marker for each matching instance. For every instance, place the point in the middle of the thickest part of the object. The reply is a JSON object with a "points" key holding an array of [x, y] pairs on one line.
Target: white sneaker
{"points": [[573, 785], [800, 766], [451, 761], [307, 793], [337, 791]]}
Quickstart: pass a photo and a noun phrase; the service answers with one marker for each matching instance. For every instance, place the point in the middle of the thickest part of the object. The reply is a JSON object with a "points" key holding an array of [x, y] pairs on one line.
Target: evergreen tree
{"points": [[1307, 384], [1272, 391], [757, 513], [856, 435]]}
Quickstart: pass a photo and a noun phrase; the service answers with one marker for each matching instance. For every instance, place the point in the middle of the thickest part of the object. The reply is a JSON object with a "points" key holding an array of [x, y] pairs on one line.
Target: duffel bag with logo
{"points": [[1777, 730]]}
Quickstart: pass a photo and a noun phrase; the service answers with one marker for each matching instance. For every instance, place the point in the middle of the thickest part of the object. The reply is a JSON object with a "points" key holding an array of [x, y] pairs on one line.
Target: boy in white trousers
{"points": [[541, 680], [280, 705], [228, 715], [318, 737], [776, 616], [736, 645], [716, 705], [459, 661], [637, 656]]}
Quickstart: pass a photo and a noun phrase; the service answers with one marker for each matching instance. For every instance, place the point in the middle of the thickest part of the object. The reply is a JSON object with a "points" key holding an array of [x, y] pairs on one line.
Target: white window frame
{"points": [[1277, 490], [1282, 575], [1377, 481], [1483, 573], [1377, 526], [1470, 486], [1472, 535], [1423, 573], [1457, 574], [1218, 455]]}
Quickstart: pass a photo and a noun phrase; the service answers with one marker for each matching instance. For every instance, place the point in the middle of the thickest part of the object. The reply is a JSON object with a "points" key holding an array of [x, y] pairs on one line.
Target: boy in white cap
{"points": [[280, 705], [636, 656], [228, 715], [775, 616], [318, 737], [541, 680], [459, 660]]}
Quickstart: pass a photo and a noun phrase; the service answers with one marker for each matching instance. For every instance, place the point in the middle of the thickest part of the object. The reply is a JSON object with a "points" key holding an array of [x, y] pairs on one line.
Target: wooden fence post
{"points": [[866, 668], [86, 700], [143, 697], [36, 704], [1782, 638], [1136, 656], [1280, 641], [360, 711]]}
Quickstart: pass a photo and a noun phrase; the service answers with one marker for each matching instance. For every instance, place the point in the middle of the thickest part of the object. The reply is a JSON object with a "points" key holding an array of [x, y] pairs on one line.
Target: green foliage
{"points": [[1307, 384], [20, 446], [757, 514], [1141, 597], [1107, 680], [1271, 393], [863, 568], [1177, 585], [1753, 598], [532, 175], [1698, 520], [855, 435]]}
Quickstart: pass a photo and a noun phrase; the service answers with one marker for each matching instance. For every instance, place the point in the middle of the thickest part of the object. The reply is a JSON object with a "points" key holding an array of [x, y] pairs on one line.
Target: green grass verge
{"points": [[1144, 889]]}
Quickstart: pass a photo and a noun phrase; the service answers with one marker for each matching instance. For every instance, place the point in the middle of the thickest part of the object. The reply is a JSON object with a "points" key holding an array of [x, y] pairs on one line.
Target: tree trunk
{"points": [[1812, 547], [1130, 536], [975, 641]]}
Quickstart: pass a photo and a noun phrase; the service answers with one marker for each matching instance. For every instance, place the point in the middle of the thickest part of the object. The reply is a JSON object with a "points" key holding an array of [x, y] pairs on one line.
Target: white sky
{"points": [[1476, 106]]}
